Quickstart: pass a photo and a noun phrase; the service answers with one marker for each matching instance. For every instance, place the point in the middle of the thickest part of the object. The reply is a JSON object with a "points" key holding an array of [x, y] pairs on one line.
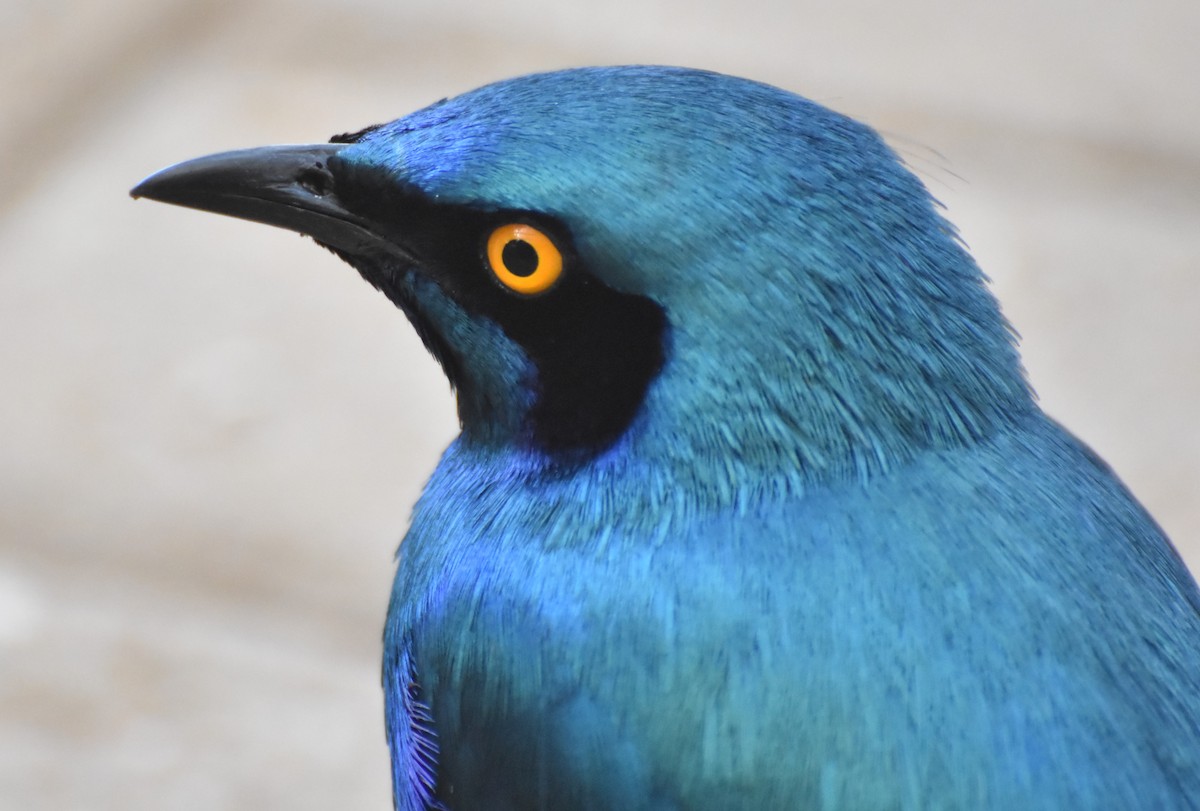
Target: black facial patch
{"points": [[596, 349]]}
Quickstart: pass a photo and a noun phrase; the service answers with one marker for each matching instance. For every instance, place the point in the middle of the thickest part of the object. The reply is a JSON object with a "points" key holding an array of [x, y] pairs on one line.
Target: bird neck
{"points": [[736, 428]]}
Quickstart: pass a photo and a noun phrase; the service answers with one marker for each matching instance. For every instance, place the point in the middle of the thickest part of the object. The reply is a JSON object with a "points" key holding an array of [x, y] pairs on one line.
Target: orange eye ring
{"points": [[524, 259]]}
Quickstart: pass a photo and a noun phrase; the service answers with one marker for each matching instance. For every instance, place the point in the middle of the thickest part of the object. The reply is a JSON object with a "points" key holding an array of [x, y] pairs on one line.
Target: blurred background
{"points": [[213, 432]]}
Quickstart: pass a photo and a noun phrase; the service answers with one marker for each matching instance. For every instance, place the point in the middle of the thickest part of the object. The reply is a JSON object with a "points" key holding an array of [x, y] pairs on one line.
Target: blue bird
{"points": [[752, 506]]}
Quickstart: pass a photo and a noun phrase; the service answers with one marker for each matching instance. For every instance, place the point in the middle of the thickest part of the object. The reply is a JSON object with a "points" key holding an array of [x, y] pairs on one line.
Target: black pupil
{"points": [[519, 257]]}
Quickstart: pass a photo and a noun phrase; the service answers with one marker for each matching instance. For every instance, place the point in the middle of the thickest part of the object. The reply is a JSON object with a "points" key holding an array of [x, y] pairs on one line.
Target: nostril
{"points": [[316, 179]]}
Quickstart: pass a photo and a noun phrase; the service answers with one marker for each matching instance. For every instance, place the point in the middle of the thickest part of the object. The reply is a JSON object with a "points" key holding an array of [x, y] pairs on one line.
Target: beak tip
{"points": [[153, 187]]}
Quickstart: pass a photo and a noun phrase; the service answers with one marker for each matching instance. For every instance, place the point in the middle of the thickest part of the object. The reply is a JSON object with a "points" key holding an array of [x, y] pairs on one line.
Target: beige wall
{"points": [[211, 432]]}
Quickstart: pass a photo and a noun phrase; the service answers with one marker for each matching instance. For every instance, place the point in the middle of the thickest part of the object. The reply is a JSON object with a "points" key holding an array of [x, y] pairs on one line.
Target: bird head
{"points": [[654, 263]]}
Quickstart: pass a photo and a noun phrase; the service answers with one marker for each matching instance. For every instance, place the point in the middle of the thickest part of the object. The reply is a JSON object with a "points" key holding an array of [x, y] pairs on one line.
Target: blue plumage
{"points": [[993, 627], [807, 541]]}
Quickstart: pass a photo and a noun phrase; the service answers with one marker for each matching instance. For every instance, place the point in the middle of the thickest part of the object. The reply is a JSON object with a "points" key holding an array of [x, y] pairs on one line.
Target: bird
{"points": [[753, 506]]}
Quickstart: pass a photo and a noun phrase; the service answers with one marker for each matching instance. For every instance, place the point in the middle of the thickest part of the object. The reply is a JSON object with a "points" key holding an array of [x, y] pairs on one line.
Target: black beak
{"points": [[288, 186]]}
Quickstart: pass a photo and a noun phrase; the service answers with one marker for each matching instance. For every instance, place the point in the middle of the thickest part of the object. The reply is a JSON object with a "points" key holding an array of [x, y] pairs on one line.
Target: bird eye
{"points": [[524, 259]]}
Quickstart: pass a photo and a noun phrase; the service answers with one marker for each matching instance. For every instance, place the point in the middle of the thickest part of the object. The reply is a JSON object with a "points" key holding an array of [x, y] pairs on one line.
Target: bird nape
{"points": [[752, 507]]}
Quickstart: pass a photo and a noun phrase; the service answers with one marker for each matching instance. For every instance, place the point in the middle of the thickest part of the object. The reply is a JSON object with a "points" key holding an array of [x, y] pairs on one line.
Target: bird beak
{"points": [[286, 186]]}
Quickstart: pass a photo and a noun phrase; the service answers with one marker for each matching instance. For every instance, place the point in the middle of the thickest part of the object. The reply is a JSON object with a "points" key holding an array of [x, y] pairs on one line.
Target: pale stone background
{"points": [[211, 432]]}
